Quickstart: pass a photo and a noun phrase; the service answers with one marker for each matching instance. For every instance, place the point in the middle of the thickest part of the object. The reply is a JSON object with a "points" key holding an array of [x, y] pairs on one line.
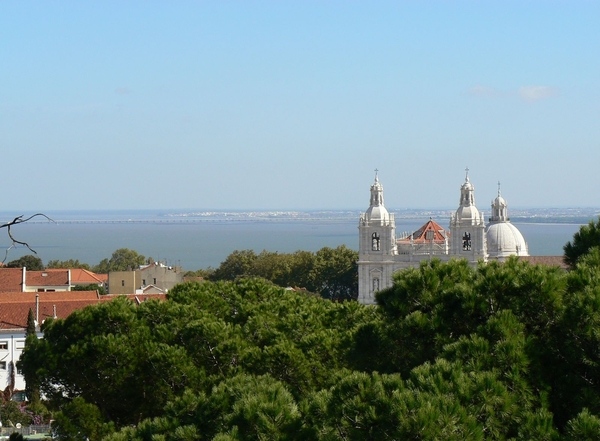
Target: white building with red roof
{"points": [[381, 253]]}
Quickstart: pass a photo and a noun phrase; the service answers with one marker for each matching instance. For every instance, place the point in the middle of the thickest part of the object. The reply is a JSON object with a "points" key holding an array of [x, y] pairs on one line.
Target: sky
{"points": [[293, 104]]}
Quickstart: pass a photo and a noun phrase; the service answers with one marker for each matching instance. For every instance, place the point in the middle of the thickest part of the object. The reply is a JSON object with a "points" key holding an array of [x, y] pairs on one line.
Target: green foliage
{"points": [[91, 287], [206, 274], [31, 379], [122, 259], [336, 273], [330, 272], [585, 239], [31, 328], [584, 427], [13, 413], [504, 351], [66, 264], [31, 262], [79, 420], [237, 265]]}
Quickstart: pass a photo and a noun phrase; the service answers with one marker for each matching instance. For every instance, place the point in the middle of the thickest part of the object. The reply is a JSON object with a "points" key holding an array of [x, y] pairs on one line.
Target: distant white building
{"points": [[381, 253]]}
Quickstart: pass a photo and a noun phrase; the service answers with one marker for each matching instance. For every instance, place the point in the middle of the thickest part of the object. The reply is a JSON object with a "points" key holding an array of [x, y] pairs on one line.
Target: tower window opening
{"points": [[376, 242], [466, 241]]}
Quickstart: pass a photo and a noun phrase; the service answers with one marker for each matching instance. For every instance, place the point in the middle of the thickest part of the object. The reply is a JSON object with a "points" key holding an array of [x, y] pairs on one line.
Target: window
{"points": [[155, 280], [20, 344], [3, 345], [3, 365], [375, 242], [122, 282], [466, 241], [143, 282]]}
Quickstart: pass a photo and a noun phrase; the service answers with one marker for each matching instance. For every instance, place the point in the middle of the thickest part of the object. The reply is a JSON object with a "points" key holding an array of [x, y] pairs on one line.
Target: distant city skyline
{"points": [[293, 105]]}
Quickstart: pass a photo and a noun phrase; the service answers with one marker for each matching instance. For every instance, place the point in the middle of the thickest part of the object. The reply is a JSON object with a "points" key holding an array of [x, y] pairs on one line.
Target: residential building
{"points": [[14, 310], [157, 275]]}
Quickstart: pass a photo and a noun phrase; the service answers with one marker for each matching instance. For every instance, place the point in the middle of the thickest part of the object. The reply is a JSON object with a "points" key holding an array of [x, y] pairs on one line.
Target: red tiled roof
{"points": [[11, 279], [14, 306], [50, 277], [420, 236], [81, 276]]}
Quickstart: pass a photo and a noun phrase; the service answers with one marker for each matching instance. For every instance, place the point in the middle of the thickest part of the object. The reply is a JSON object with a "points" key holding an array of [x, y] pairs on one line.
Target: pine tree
{"points": [[31, 381], [30, 324]]}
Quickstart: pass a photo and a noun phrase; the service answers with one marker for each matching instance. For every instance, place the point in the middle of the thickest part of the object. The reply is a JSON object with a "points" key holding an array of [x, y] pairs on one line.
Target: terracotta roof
{"points": [[14, 306], [420, 236], [81, 276], [11, 279], [50, 277], [546, 260]]}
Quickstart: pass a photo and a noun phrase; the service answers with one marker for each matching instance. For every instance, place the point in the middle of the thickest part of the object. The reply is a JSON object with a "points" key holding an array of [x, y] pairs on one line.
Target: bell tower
{"points": [[377, 246], [467, 227]]}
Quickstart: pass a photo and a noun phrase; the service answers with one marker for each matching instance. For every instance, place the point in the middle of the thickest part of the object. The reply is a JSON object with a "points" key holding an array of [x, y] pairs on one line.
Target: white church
{"points": [[381, 253]]}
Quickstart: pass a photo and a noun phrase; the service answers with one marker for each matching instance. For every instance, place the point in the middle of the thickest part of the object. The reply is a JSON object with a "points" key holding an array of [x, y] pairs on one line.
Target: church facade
{"points": [[381, 253]]}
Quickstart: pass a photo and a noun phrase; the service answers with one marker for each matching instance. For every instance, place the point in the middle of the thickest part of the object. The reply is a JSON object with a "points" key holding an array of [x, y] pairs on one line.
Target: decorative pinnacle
{"points": [[467, 174], [376, 176], [498, 188]]}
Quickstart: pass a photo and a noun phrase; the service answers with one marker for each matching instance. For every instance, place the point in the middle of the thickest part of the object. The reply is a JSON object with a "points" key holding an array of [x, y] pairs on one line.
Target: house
{"points": [[158, 275], [83, 277], [22, 280], [50, 280]]}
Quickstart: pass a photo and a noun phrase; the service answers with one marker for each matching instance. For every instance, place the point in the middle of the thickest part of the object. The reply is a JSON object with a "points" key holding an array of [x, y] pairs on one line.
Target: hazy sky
{"points": [[293, 104]]}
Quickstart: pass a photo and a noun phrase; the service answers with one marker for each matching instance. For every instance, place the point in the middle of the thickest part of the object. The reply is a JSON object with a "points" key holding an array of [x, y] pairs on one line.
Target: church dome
{"points": [[468, 215], [378, 213], [504, 239], [467, 186], [499, 202]]}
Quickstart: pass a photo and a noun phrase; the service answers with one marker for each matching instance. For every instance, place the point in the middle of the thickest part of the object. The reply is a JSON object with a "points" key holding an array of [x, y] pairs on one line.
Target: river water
{"points": [[196, 241]]}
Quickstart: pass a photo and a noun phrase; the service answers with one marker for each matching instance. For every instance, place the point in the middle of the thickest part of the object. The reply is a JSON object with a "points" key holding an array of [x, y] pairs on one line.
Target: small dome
{"points": [[467, 185], [378, 213], [499, 202], [468, 214], [504, 239]]}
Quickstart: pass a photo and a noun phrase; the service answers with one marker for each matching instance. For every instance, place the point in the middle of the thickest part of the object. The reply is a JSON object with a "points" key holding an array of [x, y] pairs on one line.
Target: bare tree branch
{"points": [[19, 220]]}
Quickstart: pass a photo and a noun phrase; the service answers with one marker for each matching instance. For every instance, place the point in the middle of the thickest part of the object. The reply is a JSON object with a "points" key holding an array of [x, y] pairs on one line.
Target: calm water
{"points": [[201, 242]]}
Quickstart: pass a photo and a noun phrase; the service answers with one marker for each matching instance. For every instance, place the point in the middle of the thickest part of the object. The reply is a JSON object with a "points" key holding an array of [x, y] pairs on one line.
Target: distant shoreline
{"points": [[530, 216]]}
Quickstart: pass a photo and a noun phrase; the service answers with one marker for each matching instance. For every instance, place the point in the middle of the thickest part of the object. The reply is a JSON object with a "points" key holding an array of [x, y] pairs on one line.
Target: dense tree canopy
{"points": [[586, 238], [497, 352], [70, 263], [122, 259], [31, 262], [330, 272]]}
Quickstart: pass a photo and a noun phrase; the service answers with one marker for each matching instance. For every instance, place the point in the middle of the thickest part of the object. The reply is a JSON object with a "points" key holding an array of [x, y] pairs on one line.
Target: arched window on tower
{"points": [[466, 241], [376, 242]]}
